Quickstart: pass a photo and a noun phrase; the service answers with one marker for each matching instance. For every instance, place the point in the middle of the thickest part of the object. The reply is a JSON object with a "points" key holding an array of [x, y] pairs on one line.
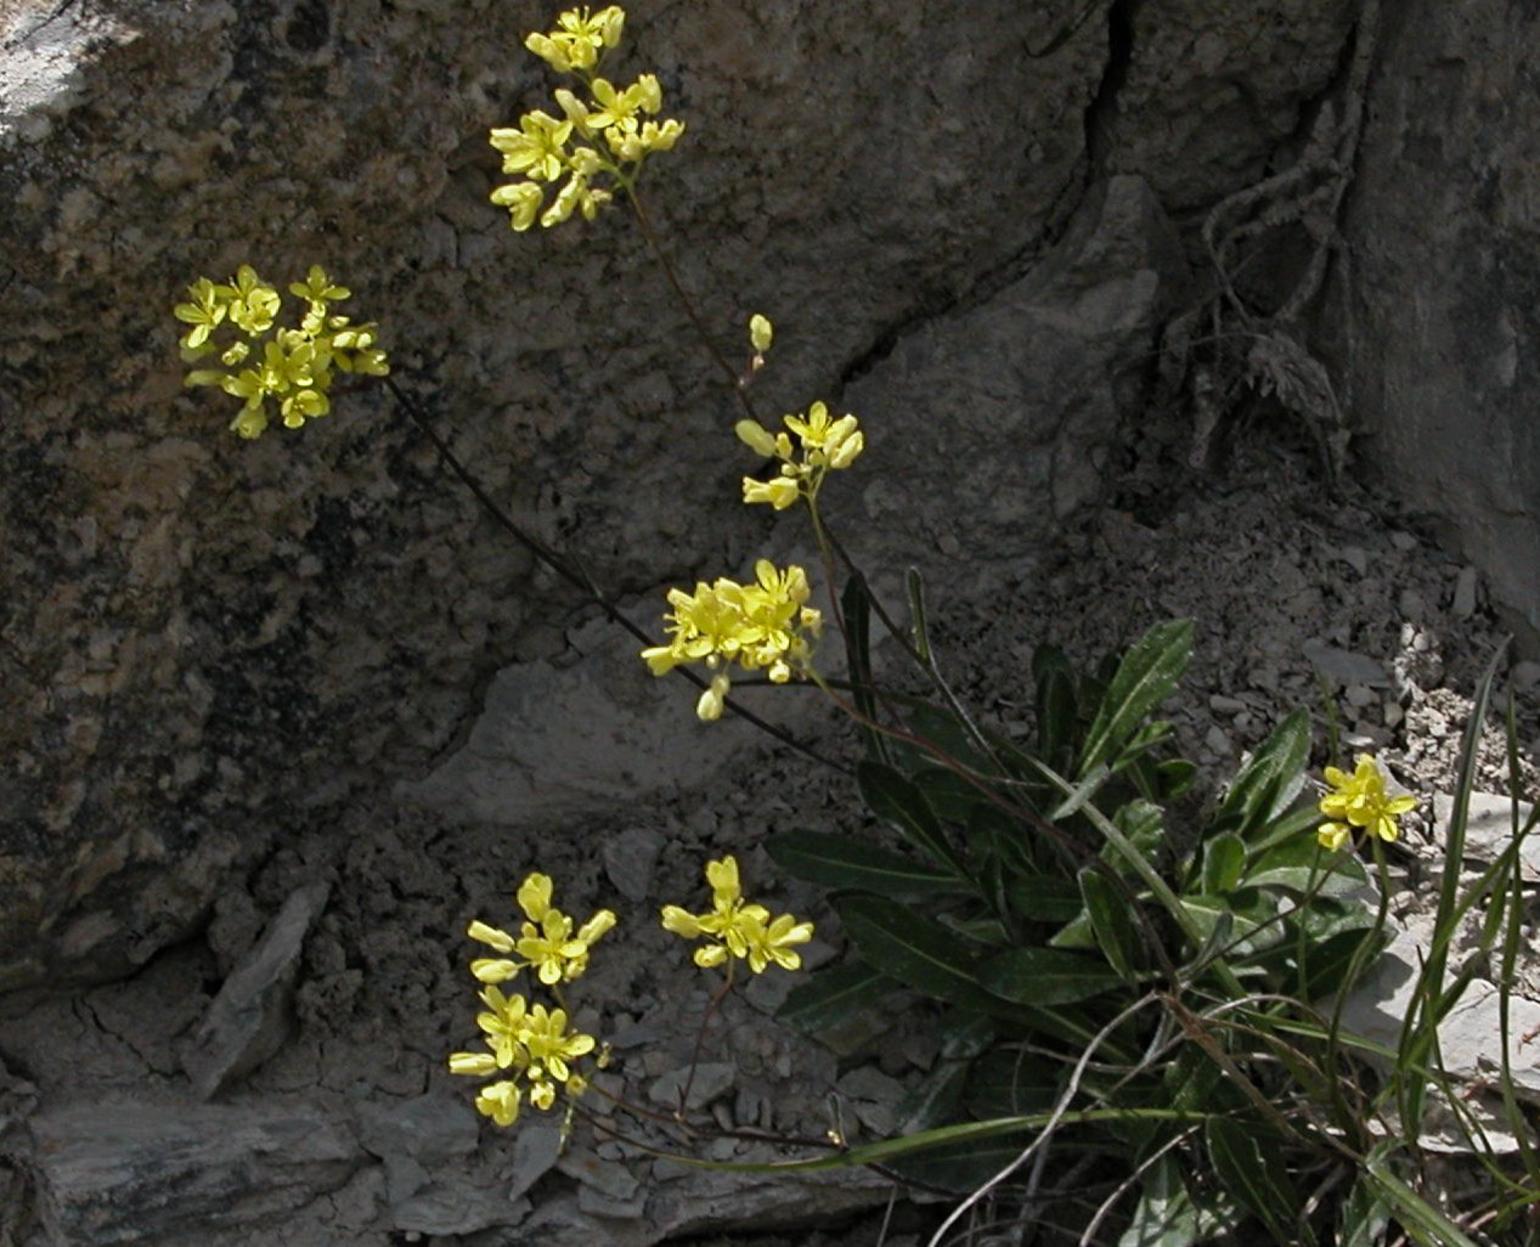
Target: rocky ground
{"points": [[311, 1093]]}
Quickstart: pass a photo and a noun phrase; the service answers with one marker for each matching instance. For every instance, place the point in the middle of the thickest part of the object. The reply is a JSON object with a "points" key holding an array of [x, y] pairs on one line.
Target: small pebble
{"points": [[1393, 713], [1411, 605], [1403, 541], [1525, 675], [1464, 605], [1355, 557], [1220, 704], [1358, 695], [1217, 742]]}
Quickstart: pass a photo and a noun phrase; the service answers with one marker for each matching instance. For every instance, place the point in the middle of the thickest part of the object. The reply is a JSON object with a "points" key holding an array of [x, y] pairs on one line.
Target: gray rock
{"points": [[428, 1128], [252, 1015], [1470, 268], [453, 1203], [1463, 605], [873, 1096], [712, 1080], [536, 1148], [630, 856], [169, 1174], [1034, 380], [1345, 667], [614, 1181], [1488, 829], [1525, 675]]}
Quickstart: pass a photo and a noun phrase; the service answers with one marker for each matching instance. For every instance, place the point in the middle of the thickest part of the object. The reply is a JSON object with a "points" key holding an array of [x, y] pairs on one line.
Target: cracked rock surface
{"points": [[240, 674]]}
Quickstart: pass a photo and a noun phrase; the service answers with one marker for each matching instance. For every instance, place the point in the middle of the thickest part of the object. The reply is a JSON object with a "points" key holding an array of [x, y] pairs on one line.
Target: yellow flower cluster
{"points": [[825, 445], [736, 928], [529, 1040], [294, 366], [1359, 800], [610, 135], [765, 626]]}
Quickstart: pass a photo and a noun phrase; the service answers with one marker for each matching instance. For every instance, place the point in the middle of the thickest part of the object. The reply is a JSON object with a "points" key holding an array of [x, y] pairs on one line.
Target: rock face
{"points": [[1440, 337], [211, 647]]}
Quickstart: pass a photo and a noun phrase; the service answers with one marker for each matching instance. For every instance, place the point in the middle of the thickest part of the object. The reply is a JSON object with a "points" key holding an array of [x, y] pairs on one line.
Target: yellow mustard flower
{"points": [[522, 199], [206, 309], [1359, 800], [737, 928], [825, 444], [546, 942], [537, 148], [550, 1048], [500, 1102], [765, 626], [295, 366]]}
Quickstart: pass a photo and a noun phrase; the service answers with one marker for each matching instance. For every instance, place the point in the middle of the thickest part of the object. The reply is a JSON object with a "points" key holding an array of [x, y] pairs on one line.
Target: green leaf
{"points": [[914, 948], [1364, 1217], [935, 1100], [1144, 678], [1298, 864], [832, 996], [1084, 791], [1224, 858], [1077, 933], [1268, 784], [1005, 1083], [1326, 960], [963, 1165], [897, 801], [844, 862], [1249, 1164], [1043, 898], [1117, 935], [1250, 912], [965, 1034], [952, 797], [1047, 976], [1417, 1217], [856, 609], [1165, 1215], [1056, 709]]}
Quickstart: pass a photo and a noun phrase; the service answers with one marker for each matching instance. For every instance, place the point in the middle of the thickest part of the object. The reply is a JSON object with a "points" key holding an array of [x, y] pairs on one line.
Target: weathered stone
{"points": [[1209, 89], [709, 1081], [171, 1174], [1022, 395], [181, 607], [1445, 280], [629, 859], [252, 1015]]}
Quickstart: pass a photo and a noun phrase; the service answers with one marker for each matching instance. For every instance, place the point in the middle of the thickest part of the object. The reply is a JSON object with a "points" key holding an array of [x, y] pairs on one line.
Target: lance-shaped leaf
{"points": [[1107, 910], [1145, 677], [1250, 1165], [833, 996], [844, 862], [901, 804], [1267, 784], [1047, 976]]}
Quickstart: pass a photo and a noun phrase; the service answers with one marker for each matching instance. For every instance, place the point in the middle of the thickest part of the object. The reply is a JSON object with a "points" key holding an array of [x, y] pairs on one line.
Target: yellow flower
{"points": [[319, 288], [780, 492], [253, 304], [773, 943], [207, 309], [616, 108], [551, 948], [500, 1102], [503, 1025], [550, 1047], [737, 928], [1360, 800], [537, 148]]}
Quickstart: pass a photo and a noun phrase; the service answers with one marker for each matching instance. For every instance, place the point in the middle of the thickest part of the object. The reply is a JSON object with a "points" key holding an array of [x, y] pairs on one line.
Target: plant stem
{"points": [[573, 573]]}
